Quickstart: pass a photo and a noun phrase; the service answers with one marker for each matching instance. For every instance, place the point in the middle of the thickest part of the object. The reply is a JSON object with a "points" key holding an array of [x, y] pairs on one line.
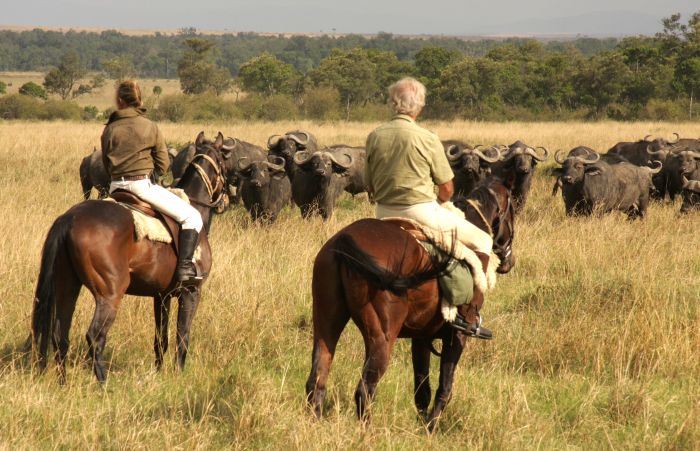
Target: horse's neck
{"points": [[195, 189], [481, 216]]}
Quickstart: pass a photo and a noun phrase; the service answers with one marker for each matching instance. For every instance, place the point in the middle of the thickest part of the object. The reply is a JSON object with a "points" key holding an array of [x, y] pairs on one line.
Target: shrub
{"points": [[209, 107], [278, 107], [157, 90], [663, 110], [3, 87], [249, 106], [322, 103], [82, 89], [370, 112], [90, 113], [60, 109], [16, 106], [172, 108], [32, 89]]}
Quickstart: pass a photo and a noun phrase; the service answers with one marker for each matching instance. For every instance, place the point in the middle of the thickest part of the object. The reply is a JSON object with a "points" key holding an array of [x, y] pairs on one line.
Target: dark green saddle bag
{"points": [[457, 284]]}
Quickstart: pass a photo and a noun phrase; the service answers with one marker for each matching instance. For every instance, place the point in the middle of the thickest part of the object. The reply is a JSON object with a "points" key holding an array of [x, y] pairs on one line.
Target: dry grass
{"points": [[596, 327]]}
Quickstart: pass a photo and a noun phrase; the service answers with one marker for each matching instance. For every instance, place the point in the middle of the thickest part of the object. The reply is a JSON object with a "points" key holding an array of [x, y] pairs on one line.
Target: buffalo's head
{"points": [[524, 158], [691, 195], [323, 163], [686, 161], [259, 174], [288, 144], [473, 162], [574, 168]]}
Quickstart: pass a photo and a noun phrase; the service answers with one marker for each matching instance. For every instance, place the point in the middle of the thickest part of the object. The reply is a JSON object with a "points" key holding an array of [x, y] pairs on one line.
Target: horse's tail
{"points": [[43, 313], [349, 253]]}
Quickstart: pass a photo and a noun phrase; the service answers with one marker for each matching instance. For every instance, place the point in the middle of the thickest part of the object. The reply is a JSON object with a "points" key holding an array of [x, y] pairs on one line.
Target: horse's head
{"points": [[490, 207], [205, 180]]}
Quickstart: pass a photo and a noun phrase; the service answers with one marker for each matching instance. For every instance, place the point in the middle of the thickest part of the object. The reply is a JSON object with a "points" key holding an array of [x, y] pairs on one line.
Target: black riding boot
{"points": [[186, 272], [471, 330]]}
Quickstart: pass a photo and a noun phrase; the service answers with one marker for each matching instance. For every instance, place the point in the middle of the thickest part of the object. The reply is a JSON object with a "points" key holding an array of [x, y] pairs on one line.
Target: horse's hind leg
{"points": [[161, 307], [420, 353], [66, 290], [328, 325], [185, 314], [379, 341], [106, 306]]}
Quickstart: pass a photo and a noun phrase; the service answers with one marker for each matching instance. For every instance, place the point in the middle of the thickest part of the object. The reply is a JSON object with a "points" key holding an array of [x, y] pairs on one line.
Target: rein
{"points": [[500, 219], [220, 181]]}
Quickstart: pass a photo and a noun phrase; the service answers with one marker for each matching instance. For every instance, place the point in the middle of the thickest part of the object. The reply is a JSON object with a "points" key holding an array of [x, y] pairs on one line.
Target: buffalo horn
{"points": [[646, 138], [302, 157], [678, 138], [485, 157], [275, 163], [453, 152], [230, 146], [657, 169], [513, 152], [342, 165], [657, 153], [530, 151], [270, 143], [293, 136], [242, 166], [692, 185], [558, 156]]}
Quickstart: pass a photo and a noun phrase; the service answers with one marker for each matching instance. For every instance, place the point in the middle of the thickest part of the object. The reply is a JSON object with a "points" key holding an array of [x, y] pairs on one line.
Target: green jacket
{"points": [[404, 163], [132, 145]]}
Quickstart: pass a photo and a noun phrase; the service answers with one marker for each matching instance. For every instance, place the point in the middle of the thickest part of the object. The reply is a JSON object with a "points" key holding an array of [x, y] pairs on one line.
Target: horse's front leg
{"points": [[161, 309], [188, 302], [420, 353], [452, 347]]}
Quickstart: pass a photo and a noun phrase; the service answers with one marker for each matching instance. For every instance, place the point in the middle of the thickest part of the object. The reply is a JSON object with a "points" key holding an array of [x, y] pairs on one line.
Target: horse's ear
{"points": [[200, 139], [219, 143]]}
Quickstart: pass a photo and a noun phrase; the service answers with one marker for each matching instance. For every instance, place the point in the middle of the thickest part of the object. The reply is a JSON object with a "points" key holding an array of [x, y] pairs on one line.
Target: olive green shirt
{"points": [[404, 163], [133, 145]]}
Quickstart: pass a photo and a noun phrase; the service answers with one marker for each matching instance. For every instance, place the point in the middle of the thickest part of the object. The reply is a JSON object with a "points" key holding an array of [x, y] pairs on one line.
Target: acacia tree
{"points": [[61, 79], [267, 75], [198, 73], [119, 68]]}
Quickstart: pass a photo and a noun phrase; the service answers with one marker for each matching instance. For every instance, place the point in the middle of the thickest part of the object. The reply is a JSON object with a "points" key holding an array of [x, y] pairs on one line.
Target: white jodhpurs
{"points": [[162, 200], [432, 215]]}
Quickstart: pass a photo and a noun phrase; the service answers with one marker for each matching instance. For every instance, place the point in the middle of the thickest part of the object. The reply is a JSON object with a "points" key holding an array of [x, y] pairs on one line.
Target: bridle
{"points": [[502, 223], [216, 190]]}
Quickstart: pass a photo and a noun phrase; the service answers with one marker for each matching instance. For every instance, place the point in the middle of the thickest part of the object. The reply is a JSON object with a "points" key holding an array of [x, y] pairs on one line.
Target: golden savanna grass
{"points": [[596, 327]]}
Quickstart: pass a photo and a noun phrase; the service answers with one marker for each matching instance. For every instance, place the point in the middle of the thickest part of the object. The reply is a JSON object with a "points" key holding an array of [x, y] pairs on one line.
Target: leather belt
{"points": [[130, 178]]}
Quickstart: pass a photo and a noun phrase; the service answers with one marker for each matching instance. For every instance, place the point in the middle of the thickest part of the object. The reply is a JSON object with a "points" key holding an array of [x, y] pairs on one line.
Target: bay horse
{"points": [[376, 273], [93, 244]]}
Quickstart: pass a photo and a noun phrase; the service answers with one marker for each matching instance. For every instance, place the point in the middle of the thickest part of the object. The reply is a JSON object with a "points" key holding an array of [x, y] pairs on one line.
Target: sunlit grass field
{"points": [[597, 329]]}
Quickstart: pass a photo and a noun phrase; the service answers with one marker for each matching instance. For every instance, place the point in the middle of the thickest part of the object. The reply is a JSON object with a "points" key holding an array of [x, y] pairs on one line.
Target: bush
{"points": [[663, 110], [31, 89], [322, 103], [370, 112], [16, 106], [249, 106], [172, 108], [204, 107], [60, 109], [90, 113], [278, 107], [3, 87], [157, 90]]}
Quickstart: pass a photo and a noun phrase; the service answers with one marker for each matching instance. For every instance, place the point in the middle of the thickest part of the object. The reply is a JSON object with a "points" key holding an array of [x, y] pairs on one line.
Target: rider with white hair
{"points": [[405, 163]]}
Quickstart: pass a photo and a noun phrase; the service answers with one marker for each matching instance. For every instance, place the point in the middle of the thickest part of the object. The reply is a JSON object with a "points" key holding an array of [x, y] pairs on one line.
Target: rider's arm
{"points": [[160, 154], [105, 144], [445, 192]]}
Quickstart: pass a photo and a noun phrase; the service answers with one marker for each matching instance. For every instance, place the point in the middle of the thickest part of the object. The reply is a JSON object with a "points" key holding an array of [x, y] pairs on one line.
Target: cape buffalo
{"points": [[321, 176], [265, 188], [679, 159], [94, 175], [691, 192], [519, 162], [580, 151], [290, 143], [470, 165], [595, 184], [638, 153]]}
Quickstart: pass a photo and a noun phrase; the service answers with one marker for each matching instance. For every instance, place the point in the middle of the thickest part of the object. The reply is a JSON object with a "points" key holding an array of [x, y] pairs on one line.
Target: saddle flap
{"points": [[130, 200]]}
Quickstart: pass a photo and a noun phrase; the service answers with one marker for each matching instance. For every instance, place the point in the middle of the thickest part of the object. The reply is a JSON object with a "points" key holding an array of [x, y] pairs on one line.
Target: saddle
{"points": [[410, 227], [133, 202]]}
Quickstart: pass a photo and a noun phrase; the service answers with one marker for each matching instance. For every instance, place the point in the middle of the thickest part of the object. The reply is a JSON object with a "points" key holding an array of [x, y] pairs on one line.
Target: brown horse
{"points": [[377, 274], [93, 244]]}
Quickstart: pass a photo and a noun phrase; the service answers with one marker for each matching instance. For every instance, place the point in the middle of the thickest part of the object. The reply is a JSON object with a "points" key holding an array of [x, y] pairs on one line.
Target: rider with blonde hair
{"points": [[405, 163], [132, 149]]}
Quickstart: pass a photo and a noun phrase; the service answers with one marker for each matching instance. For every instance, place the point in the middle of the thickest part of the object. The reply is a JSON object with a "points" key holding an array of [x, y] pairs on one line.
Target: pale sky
{"points": [[456, 17]]}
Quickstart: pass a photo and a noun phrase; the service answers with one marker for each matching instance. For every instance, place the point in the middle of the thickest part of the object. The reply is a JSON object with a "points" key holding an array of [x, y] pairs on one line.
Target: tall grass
{"points": [[596, 327]]}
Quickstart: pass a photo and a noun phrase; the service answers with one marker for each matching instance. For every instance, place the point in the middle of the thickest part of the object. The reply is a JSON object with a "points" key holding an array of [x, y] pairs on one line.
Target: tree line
{"points": [[643, 77]]}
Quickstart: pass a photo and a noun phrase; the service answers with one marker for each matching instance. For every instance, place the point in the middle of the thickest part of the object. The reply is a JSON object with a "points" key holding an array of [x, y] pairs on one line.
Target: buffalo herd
{"points": [[296, 170]]}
